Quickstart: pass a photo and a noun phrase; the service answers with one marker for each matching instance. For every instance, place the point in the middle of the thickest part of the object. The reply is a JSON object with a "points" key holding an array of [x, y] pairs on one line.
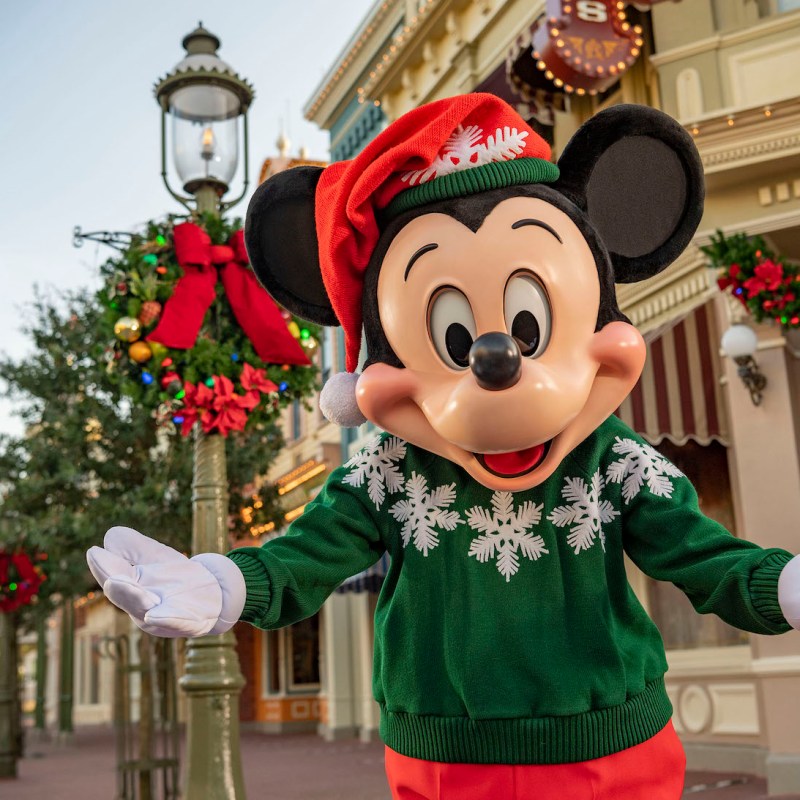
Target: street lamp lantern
{"points": [[204, 100]]}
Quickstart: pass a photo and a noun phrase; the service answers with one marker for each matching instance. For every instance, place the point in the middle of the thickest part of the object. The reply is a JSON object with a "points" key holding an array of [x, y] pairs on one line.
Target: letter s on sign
{"points": [[591, 10]]}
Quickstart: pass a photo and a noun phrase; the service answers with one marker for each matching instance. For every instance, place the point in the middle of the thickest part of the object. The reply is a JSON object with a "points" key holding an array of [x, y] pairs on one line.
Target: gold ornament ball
{"points": [[127, 329], [140, 352], [294, 329]]}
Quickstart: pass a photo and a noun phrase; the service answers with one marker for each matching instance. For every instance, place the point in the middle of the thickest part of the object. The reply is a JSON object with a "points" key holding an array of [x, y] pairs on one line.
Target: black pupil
{"points": [[458, 341], [525, 329]]}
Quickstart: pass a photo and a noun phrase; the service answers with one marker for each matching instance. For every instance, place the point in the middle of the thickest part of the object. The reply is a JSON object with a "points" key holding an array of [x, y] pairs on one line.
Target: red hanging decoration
{"points": [[19, 581], [583, 46], [253, 308]]}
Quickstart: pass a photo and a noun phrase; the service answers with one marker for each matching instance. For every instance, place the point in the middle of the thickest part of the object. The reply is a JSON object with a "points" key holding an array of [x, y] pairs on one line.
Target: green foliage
{"points": [[737, 248], [92, 458]]}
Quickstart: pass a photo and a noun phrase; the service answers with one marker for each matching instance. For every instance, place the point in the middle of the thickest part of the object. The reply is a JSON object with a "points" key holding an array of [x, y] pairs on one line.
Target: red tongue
{"points": [[514, 463]]}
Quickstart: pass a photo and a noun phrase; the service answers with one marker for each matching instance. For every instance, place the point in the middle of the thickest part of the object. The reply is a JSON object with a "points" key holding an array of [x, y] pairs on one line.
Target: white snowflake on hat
{"points": [[465, 149]]}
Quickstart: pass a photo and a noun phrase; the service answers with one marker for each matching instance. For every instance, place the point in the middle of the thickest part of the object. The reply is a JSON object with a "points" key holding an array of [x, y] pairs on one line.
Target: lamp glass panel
{"points": [[203, 103], [205, 149]]}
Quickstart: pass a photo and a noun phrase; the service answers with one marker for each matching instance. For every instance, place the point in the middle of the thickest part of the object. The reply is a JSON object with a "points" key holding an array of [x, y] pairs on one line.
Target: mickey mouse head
{"points": [[485, 283]]}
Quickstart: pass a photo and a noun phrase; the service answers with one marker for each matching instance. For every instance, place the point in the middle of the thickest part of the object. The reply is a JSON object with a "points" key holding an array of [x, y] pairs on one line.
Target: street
{"points": [[289, 767]]}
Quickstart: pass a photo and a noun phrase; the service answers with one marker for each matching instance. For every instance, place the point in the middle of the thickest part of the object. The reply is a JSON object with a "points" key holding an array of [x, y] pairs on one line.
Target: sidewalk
{"points": [[294, 767]]}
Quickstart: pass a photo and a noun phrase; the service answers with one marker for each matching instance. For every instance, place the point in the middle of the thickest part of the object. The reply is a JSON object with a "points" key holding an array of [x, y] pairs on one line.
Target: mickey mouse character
{"points": [[512, 658]]}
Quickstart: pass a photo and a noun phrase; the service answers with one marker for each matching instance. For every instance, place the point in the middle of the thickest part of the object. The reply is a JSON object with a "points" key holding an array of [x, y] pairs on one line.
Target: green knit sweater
{"points": [[506, 630]]}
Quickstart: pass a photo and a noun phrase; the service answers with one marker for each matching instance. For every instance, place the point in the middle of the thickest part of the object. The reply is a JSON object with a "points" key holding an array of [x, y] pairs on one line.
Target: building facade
{"points": [[726, 70]]}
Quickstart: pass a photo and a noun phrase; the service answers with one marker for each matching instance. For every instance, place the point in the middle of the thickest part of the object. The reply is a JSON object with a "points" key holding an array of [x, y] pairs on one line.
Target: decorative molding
{"points": [[695, 708], [777, 666], [735, 709], [759, 150], [682, 287], [778, 23], [709, 662]]}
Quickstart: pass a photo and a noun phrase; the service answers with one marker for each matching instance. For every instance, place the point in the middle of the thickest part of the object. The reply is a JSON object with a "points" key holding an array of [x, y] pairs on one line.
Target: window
{"points": [[681, 626], [272, 662], [291, 658], [303, 640]]}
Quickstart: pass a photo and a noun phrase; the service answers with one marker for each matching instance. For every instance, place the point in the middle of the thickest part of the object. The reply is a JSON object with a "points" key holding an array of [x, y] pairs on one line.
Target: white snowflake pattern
{"points": [[641, 465], [464, 149], [586, 512], [423, 511], [376, 464], [505, 533]]}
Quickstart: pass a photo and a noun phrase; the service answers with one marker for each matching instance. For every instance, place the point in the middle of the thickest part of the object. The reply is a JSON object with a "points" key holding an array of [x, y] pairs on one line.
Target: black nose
{"points": [[495, 360]]}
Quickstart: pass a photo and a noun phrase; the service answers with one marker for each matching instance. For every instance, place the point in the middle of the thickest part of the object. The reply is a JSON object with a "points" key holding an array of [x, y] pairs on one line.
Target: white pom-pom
{"points": [[338, 400]]}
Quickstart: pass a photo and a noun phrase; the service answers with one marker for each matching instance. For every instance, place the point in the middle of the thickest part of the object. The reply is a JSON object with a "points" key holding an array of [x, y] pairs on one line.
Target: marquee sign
{"points": [[583, 46]]}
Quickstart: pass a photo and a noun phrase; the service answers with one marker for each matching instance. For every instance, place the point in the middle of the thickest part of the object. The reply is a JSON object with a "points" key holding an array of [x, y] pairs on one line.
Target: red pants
{"points": [[653, 770]]}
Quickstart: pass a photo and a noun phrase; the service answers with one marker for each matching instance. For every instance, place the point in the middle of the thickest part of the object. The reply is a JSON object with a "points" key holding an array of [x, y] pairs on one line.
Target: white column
{"points": [[338, 669], [767, 482]]}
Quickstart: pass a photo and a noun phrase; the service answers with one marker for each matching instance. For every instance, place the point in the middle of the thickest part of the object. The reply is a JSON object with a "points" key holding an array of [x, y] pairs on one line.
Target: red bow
{"points": [[253, 308]]}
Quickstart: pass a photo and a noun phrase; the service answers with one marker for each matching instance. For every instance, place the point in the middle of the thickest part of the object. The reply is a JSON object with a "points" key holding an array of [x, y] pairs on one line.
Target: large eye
{"points": [[528, 315], [452, 327]]}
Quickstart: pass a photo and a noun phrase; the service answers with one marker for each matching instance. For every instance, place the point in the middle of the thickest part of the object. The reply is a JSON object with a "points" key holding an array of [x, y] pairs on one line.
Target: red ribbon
{"points": [[253, 308]]}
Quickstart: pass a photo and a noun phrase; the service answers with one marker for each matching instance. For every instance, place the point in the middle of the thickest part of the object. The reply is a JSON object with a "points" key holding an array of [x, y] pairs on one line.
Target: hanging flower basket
{"points": [[20, 580], [766, 285]]}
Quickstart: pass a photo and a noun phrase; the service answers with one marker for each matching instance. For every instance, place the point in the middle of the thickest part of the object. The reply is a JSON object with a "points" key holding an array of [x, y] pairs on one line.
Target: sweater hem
{"points": [[547, 740]]}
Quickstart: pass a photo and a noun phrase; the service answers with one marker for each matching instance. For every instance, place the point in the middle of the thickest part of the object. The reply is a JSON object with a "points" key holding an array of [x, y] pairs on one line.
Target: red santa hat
{"points": [[449, 148]]}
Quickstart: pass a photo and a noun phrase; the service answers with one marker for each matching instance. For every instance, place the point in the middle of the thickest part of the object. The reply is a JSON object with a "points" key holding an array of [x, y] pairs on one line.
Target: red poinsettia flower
{"points": [[252, 378], [771, 273]]}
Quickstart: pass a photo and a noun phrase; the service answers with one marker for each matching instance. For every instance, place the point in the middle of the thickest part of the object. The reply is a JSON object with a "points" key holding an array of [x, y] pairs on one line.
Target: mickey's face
{"points": [[504, 373], [493, 332]]}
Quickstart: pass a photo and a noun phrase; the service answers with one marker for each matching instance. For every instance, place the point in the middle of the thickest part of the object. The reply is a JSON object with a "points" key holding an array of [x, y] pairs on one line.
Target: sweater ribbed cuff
{"points": [[257, 583], [764, 587]]}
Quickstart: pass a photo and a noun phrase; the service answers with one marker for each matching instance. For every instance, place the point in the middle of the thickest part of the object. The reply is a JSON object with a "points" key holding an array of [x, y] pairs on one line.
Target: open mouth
{"points": [[511, 465]]}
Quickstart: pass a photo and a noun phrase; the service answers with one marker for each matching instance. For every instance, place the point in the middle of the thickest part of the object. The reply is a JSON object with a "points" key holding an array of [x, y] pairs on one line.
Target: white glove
{"points": [[789, 592], [164, 592]]}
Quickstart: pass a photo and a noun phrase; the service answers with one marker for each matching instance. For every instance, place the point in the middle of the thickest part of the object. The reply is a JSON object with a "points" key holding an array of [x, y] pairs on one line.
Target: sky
{"points": [[80, 127]]}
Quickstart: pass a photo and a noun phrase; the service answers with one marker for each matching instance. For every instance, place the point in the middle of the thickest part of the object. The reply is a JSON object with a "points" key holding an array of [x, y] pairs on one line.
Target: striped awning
{"points": [[679, 395], [370, 580]]}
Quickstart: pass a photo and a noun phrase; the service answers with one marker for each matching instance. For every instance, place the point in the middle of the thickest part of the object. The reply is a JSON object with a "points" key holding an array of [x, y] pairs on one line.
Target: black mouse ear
{"points": [[281, 238], [637, 174]]}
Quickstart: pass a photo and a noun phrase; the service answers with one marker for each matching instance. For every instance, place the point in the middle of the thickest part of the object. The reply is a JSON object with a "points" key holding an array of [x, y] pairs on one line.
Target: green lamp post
{"points": [[202, 102]]}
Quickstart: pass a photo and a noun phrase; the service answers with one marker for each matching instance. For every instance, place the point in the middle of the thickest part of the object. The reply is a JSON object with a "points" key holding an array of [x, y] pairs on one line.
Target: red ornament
{"points": [[161, 270], [583, 46], [167, 362], [168, 378]]}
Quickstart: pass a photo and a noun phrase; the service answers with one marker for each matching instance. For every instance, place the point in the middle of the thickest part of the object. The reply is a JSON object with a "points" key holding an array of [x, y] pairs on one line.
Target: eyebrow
{"points": [[521, 223], [421, 252]]}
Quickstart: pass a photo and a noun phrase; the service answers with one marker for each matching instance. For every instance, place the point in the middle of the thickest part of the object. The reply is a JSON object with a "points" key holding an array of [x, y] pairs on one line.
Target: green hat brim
{"points": [[495, 175]]}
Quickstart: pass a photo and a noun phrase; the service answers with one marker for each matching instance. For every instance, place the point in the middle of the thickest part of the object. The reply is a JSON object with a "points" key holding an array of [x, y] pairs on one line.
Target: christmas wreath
{"points": [[19, 581], [191, 334], [766, 285]]}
